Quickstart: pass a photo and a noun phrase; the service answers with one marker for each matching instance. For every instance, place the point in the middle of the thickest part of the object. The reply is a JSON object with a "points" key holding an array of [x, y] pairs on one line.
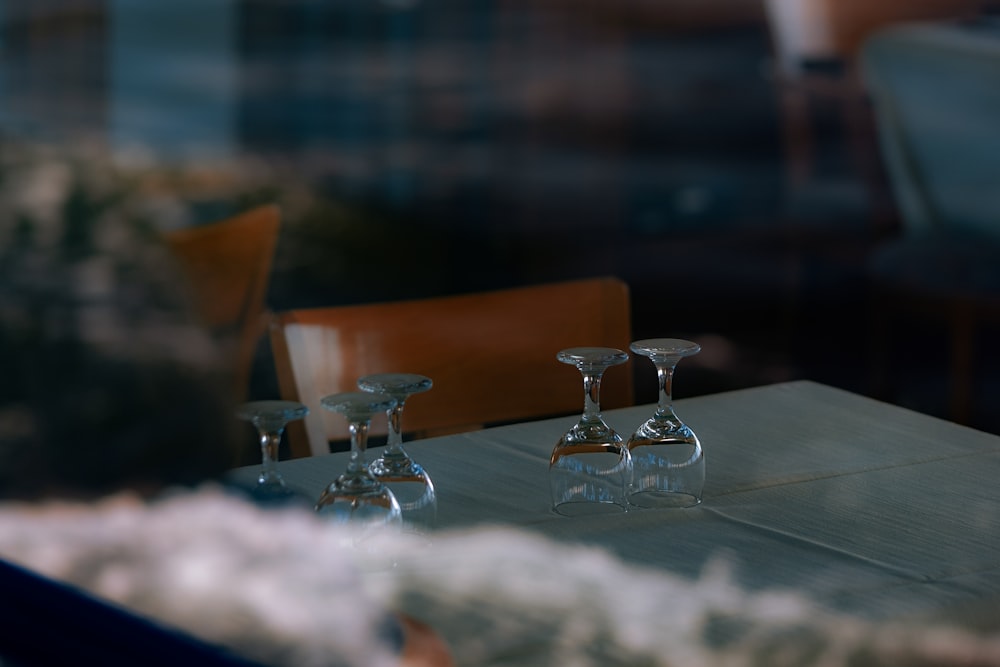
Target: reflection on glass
{"points": [[590, 468], [270, 419], [407, 479], [668, 461], [356, 496]]}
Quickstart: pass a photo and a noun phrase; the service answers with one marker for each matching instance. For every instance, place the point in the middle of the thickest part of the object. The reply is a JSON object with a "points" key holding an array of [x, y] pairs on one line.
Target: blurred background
{"points": [[426, 147]]}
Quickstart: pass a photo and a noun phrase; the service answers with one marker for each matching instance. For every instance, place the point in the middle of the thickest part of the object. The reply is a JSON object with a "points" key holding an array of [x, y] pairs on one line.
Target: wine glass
{"points": [[270, 419], [590, 468], [667, 458], [407, 479], [357, 496]]}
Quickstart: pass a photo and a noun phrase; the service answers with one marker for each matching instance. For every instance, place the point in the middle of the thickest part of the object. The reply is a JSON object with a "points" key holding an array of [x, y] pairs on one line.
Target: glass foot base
{"points": [[588, 508], [653, 499]]}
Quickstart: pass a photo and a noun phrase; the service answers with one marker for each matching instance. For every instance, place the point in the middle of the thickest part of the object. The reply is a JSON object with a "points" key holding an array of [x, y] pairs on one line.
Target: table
{"points": [[869, 508]]}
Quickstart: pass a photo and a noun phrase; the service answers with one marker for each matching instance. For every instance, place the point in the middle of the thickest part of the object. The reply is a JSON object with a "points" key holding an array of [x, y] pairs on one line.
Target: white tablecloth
{"points": [[866, 507]]}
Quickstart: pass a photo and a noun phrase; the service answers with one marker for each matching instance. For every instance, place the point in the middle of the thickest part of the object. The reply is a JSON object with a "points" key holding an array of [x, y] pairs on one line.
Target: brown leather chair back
{"points": [[491, 355]]}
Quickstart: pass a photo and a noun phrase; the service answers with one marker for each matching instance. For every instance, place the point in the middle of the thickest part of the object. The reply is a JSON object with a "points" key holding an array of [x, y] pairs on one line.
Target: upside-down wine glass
{"points": [[407, 479], [590, 469], [270, 419], [357, 496], [667, 458]]}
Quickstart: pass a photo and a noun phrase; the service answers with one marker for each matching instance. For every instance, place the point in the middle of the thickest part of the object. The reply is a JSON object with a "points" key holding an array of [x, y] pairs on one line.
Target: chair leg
{"points": [[797, 135], [962, 349], [878, 316], [865, 157]]}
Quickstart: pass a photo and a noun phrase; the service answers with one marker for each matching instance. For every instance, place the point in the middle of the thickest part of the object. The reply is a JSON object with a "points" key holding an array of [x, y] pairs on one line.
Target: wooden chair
{"points": [[227, 265], [491, 355]]}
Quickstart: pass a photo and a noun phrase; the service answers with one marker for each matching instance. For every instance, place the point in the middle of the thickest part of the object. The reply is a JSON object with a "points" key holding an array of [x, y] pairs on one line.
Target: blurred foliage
{"points": [[109, 381]]}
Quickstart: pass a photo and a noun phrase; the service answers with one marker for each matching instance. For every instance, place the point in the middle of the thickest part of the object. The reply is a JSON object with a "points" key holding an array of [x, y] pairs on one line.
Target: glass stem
{"points": [[359, 442], [665, 405], [394, 441], [592, 395], [269, 443]]}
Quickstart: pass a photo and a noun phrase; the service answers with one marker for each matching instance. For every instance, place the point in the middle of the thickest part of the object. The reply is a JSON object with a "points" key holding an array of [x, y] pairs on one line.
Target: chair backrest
{"points": [[491, 355], [227, 265], [936, 95], [835, 29]]}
